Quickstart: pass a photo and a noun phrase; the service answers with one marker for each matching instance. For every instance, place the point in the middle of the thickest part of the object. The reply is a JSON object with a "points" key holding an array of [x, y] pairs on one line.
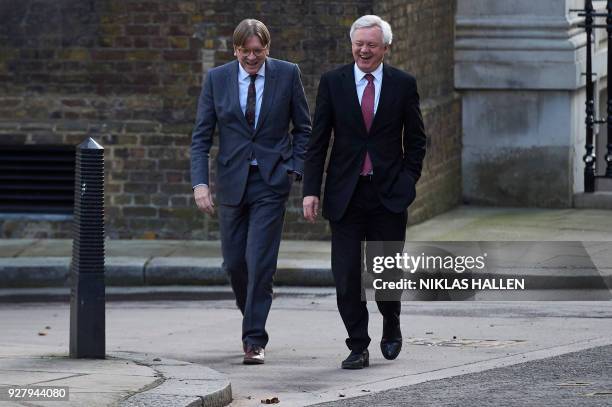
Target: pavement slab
{"points": [[184, 384], [123, 379], [90, 382], [14, 247], [442, 340], [474, 223]]}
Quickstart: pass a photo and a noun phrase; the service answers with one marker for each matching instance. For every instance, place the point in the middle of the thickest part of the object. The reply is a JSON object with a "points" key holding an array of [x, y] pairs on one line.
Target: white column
{"points": [[518, 67]]}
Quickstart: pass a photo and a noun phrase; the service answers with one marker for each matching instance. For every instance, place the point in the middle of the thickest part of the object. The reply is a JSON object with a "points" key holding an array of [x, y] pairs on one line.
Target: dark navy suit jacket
{"points": [[276, 149]]}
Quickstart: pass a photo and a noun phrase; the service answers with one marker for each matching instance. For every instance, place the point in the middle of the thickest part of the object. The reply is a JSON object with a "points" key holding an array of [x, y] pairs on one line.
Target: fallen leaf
{"points": [[148, 235]]}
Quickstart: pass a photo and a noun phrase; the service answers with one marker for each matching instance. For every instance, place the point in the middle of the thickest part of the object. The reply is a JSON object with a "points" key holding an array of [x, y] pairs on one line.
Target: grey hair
{"points": [[373, 21]]}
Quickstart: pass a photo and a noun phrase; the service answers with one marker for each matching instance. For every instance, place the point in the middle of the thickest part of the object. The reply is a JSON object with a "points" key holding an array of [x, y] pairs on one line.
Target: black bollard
{"points": [[87, 302]]}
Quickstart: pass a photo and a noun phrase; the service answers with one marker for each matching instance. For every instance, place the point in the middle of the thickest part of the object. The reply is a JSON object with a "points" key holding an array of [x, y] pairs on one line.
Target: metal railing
{"points": [[589, 158]]}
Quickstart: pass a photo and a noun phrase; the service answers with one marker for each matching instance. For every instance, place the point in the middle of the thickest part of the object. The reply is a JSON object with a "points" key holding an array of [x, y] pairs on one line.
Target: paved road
{"points": [[443, 340], [579, 379]]}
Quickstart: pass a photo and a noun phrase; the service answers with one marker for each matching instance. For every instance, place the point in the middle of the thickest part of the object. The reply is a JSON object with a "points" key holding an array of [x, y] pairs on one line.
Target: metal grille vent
{"points": [[37, 179]]}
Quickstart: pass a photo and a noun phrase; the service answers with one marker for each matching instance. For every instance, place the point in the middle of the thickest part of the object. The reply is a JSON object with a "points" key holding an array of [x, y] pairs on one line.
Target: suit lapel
{"points": [[232, 86], [350, 90], [268, 92], [387, 97]]}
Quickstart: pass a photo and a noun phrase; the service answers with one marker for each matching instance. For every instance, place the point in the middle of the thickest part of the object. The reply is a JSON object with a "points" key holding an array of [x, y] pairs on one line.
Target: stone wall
{"points": [[519, 67], [128, 73]]}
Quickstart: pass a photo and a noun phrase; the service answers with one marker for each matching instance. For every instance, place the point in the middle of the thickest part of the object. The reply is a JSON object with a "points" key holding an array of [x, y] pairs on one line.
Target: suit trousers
{"points": [[365, 219], [250, 239]]}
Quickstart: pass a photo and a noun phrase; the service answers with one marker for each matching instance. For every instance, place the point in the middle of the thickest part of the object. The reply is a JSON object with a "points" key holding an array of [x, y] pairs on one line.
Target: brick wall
{"points": [[128, 74], [423, 41]]}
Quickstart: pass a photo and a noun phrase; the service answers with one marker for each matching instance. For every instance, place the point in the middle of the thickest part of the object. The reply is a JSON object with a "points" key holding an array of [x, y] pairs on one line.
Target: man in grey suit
{"points": [[252, 101]]}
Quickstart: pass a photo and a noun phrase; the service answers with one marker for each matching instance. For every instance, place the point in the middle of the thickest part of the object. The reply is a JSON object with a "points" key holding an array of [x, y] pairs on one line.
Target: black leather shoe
{"points": [[391, 342], [357, 360], [390, 348]]}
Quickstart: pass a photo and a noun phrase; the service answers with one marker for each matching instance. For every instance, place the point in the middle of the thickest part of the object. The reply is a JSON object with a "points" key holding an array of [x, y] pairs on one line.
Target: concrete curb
{"points": [[184, 384], [25, 272], [153, 293], [18, 272]]}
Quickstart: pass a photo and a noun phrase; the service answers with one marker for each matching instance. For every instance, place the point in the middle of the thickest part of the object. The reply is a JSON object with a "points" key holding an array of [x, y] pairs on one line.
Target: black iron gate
{"points": [[589, 158]]}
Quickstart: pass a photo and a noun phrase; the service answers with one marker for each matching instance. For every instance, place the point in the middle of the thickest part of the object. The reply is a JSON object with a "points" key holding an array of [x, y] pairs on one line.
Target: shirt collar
{"points": [[359, 74], [243, 75]]}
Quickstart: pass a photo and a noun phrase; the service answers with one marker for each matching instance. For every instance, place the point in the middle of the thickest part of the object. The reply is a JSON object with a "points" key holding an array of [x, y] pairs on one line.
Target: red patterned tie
{"points": [[367, 110]]}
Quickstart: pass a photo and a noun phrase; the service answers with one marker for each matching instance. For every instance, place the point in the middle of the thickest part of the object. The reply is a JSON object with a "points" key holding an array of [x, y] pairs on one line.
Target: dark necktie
{"points": [[367, 110], [251, 101]]}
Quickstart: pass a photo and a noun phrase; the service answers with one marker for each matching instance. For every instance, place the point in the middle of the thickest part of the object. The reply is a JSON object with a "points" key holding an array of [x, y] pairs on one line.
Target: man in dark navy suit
{"points": [[376, 160], [252, 101]]}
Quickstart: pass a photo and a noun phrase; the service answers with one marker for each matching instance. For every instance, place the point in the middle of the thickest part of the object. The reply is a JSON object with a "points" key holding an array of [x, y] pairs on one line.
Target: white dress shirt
{"points": [[361, 82]]}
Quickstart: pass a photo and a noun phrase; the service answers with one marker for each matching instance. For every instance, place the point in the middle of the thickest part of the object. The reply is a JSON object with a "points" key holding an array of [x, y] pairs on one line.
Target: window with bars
{"points": [[37, 179]]}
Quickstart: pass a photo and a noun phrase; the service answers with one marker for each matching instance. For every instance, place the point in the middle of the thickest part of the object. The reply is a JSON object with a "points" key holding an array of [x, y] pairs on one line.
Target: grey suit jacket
{"points": [[276, 149]]}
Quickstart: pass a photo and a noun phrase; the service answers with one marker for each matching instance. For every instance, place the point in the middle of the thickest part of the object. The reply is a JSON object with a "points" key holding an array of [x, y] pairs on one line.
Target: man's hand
{"points": [[311, 208], [203, 199]]}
